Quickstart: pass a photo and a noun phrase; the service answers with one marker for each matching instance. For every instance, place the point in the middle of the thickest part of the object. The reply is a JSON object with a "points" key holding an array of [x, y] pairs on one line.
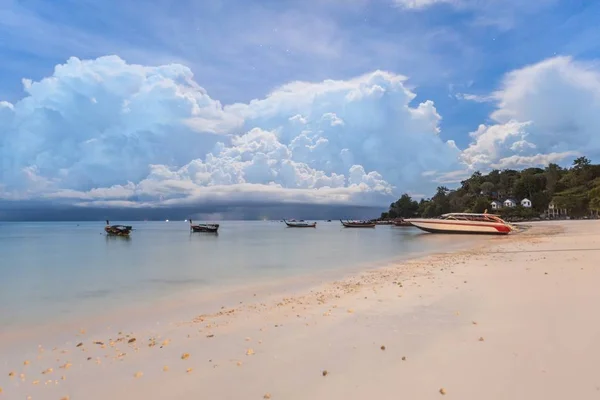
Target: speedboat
{"points": [[466, 223], [300, 224]]}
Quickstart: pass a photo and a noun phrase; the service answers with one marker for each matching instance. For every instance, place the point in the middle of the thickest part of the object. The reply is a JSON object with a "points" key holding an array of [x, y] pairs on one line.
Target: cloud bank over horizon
{"points": [[105, 133]]}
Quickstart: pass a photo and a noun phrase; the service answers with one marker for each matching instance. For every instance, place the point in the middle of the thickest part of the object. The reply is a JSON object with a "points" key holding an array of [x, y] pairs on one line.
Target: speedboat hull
{"points": [[460, 227]]}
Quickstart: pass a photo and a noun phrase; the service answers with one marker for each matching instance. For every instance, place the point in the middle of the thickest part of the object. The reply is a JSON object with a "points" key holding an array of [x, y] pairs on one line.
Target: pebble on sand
{"points": [[64, 398], [138, 374], [188, 370], [131, 340], [185, 356], [382, 347], [474, 322], [26, 362], [325, 373], [239, 363], [442, 391], [11, 374], [403, 358], [267, 396], [481, 339], [165, 368]]}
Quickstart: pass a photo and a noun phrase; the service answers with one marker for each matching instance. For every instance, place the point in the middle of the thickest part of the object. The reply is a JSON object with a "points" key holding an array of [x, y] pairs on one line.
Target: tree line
{"points": [[575, 189]]}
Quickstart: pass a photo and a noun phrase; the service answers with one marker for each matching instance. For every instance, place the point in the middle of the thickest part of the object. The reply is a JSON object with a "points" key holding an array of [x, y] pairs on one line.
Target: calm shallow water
{"points": [[57, 271]]}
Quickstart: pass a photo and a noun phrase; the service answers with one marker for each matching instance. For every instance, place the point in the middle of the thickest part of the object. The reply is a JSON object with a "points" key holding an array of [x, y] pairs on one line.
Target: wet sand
{"points": [[515, 319]]}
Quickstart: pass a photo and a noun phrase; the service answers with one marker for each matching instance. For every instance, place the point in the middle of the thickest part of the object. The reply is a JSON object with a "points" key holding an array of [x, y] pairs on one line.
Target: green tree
{"points": [[405, 207]]}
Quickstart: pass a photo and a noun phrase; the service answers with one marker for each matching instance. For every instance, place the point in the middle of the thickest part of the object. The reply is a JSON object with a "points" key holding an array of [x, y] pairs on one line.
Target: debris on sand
{"points": [[131, 340], [185, 356], [48, 371], [79, 344]]}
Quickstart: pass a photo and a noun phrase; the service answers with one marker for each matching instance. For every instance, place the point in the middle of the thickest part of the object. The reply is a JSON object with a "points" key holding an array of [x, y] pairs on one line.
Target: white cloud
{"points": [[421, 4], [106, 131], [545, 113]]}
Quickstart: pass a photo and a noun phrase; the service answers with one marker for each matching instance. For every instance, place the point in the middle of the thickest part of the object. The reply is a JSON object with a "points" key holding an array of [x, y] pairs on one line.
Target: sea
{"points": [[59, 271]]}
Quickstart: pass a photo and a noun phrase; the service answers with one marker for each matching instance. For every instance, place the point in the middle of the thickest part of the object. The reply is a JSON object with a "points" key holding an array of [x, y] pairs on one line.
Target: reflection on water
{"points": [[78, 269]]}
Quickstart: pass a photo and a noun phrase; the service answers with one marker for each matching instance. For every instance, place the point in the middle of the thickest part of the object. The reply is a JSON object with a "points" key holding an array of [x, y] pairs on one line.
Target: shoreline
{"points": [[410, 305], [221, 292]]}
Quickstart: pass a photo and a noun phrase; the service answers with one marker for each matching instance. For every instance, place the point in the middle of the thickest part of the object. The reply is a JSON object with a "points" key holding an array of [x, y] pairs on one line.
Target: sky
{"points": [[166, 104]]}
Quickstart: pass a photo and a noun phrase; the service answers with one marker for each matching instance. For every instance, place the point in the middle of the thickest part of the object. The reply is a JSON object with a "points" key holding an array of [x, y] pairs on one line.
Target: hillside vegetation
{"points": [[575, 189]]}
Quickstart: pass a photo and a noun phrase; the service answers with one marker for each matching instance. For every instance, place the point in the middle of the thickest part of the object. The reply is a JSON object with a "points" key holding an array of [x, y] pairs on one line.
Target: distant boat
{"points": [[358, 224], [466, 223], [117, 230], [402, 222], [300, 224], [206, 228]]}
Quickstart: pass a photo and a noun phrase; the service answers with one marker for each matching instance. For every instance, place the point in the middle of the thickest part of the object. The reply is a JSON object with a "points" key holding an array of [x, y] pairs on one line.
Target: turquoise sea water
{"points": [[60, 270]]}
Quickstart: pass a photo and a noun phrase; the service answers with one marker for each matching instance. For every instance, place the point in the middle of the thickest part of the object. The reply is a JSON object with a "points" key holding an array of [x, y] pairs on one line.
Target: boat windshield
{"points": [[473, 217]]}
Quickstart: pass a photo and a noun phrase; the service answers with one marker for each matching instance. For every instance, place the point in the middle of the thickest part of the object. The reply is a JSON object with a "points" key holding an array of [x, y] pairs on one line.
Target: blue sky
{"points": [[243, 50]]}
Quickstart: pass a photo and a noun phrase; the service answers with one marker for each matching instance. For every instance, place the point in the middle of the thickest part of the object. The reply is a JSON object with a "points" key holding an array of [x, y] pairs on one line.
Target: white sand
{"points": [[532, 298]]}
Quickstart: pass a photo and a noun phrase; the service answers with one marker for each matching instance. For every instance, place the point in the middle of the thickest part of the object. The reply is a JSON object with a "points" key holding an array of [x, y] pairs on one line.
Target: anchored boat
{"points": [[206, 228], [358, 224], [117, 230], [300, 224], [466, 223]]}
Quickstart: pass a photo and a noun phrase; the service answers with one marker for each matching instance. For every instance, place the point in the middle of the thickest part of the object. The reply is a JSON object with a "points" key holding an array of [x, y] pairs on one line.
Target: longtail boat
{"points": [[117, 230], [207, 228], [466, 223], [402, 222], [358, 224], [300, 224]]}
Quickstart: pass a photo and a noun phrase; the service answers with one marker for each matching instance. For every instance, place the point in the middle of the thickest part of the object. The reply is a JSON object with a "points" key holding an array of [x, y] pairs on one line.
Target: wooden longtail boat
{"points": [[206, 228], [358, 224], [402, 222], [466, 223], [117, 230], [300, 224]]}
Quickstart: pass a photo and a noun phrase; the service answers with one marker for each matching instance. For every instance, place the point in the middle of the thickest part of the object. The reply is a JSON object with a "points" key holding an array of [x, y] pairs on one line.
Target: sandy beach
{"points": [[515, 318]]}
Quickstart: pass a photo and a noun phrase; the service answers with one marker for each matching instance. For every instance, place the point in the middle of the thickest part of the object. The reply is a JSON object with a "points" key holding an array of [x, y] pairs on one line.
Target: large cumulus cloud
{"points": [[546, 112], [106, 131]]}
